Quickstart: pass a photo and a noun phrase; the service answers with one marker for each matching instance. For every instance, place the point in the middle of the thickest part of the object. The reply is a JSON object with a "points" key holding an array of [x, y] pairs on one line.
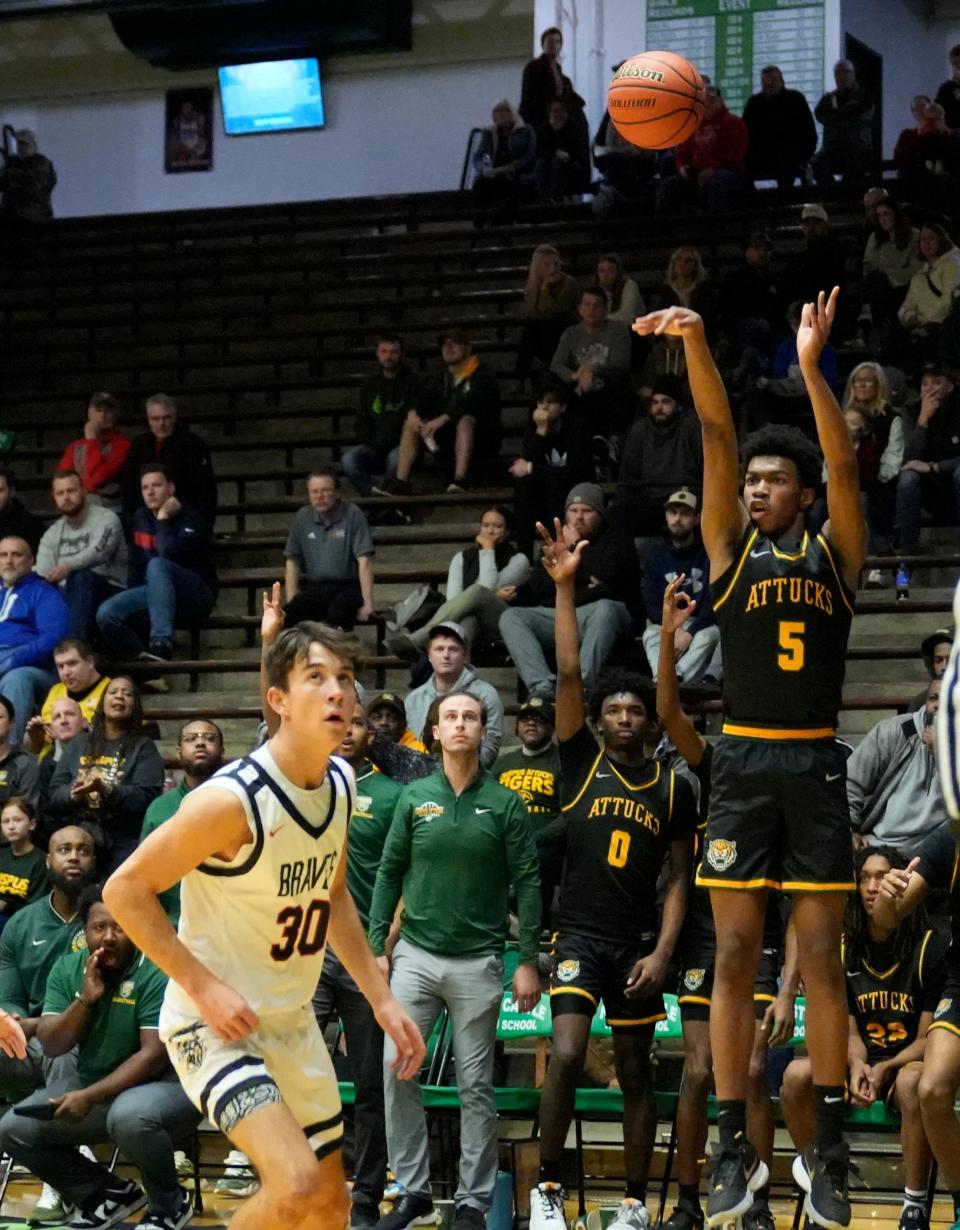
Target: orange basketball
{"points": [[656, 99]]}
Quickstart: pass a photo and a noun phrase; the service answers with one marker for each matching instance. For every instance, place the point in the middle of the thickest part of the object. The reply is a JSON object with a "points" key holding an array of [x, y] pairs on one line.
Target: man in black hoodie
{"points": [[663, 452], [184, 454], [15, 521], [386, 398]]}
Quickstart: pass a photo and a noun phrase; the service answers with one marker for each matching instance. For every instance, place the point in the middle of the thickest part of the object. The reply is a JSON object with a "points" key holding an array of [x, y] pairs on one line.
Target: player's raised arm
{"points": [[271, 625], [846, 529], [209, 822], [561, 562], [724, 516], [677, 609]]}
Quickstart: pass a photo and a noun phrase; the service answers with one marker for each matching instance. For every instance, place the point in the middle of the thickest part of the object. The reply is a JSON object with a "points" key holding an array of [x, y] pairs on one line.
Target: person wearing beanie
{"points": [[608, 596], [663, 452]]}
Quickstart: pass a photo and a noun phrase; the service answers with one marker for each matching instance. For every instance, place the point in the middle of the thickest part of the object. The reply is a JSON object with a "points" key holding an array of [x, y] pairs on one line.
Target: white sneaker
{"points": [[546, 1207], [874, 579], [239, 1177], [87, 1152], [49, 1207], [632, 1215]]}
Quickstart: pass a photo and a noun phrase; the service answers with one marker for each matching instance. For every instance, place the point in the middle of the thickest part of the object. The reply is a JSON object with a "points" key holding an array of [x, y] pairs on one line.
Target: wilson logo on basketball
{"points": [[643, 74]]}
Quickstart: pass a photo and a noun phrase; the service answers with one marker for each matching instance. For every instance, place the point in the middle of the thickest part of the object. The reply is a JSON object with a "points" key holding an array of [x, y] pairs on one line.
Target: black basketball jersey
{"points": [[620, 823], [784, 620], [888, 1000]]}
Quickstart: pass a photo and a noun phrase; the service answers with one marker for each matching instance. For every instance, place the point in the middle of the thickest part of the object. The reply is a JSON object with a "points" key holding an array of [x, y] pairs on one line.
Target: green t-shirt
{"points": [[114, 1022], [453, 861], [159, 811], [376, 799], [23, 878], [30, 944], [536, 778]]}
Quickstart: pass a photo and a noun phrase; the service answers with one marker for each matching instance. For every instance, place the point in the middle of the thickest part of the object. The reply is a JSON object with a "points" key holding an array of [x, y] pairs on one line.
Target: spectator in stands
{"points": [[447, 652], [687, 284], [41, 933], [386, 398], [555, 455], [890, 259], [928, 160], [549, 304], [503, 161], [930, 475], [460, 418], [562, 166], [387, 716], [101, 453], [329, 553], [607, 596], [871, 199], [681, 553], [593, 358], [931, 289], [948, 95], [187, 457], [171, 576], [19, 771], [787, 381], [33, 619], [627, 170], [23, 868], [108, 776], [83, 553], [710, 165], [80, 680], [751, 300], [544, 82], [892, 782], [15, 521], [66, 722], [454, 874], [822, 261], [935, 651], [846, 114], [624, 301], [200, 755], [782, 135], [482, 581], [532, 770], [105, 1001], [663, 453], [27, 182]]}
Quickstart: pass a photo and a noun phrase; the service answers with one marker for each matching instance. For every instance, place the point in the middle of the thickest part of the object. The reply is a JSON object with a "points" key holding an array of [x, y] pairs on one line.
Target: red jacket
{"points": [[98, 462], [719, 144]]}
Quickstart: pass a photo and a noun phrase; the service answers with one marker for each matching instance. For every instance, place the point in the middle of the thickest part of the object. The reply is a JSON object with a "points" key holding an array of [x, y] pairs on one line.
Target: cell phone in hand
{"points": [[37, 1110]]}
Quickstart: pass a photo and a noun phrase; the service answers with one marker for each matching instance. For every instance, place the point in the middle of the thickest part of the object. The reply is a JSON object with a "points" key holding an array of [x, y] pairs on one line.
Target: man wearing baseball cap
{"points": [[387, 715], [696, 645], [447, 653]]}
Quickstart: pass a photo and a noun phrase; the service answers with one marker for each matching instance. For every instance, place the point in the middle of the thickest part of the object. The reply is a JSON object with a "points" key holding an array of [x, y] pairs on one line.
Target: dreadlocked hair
{"points": [[781, 440], [856, 925], [613, 682]]}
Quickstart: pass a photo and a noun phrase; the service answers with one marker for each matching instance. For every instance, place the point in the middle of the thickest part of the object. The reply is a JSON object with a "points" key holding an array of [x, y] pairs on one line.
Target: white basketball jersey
{"points": [[259, 922]]}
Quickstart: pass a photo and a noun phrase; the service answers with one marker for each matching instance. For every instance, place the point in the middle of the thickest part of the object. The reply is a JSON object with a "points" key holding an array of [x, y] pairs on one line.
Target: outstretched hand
{"points": [[673, 321], [271, 625], [816, 321], [559, 560], [678, 606], [897, 880]]}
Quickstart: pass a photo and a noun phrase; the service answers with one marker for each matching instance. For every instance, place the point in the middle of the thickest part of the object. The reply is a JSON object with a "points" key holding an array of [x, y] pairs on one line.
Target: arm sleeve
{"points": [[394, 863], [488, 569], [362, 538], [46, 552], [53, 623], [938, 857], [58, 800], [60, 990], [178, 537], [631, 302], [455, 576], [150, 1000], [493, 736], [892, 457], [863, 772], [142, 783], [517, 571], [908, 309], [292, 548], [101, 470], [915, 444], [28, 778], [563, 358], [525, 875], [619, 357]]}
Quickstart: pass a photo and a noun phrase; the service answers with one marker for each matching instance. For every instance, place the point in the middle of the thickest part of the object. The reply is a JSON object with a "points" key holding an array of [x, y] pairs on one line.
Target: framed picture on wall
{"points": [[188, 135]]}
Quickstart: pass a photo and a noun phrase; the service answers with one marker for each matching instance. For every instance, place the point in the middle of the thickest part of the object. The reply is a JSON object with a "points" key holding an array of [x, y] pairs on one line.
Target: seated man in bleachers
{"points": [[33, 619], [80, 680], [329, 552], [83, 553], [562, 165], [386, 398], [504, 160], [182, 451], [930, 475], [458, 421], [105, 1001], [593, 358], [172, 577], [101, 452], [893, 787], [607, 596], [387, 715], [19, 771], [66, 721], [15, 520]]}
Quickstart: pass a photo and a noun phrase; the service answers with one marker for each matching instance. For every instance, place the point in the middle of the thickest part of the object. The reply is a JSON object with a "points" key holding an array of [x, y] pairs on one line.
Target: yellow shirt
{"points": [[88, 706]]}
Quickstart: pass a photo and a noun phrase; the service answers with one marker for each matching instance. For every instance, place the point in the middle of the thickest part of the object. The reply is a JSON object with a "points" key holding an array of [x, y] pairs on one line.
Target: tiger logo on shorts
{"points": [[943, 1008], [567, 971], [721, 854], [693, 979]]}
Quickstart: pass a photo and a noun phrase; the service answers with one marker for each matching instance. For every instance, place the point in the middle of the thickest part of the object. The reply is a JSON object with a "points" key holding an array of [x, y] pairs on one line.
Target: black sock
{"points": [[762, 1194], [690, 1196], [955, 1196], [551, 1172], [636, 1190], [831, 1105], [732, 1121]]}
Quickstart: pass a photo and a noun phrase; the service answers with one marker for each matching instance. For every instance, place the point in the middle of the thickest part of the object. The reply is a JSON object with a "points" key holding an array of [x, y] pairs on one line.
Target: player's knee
{"points": [[936, 1092], [697, 1076], [305, 1199], [797, 1081], [566, 1057], [634, 1074], [908, 1090], [737, 956], [758, 1067]]}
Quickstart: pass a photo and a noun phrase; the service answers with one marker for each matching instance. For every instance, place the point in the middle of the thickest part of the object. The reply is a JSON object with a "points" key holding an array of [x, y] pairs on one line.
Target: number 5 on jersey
{"points": [[790, 638]]}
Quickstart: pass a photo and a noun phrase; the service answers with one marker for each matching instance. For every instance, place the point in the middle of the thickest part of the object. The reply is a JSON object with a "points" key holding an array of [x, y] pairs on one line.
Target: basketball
{"points": [[656, 99]]}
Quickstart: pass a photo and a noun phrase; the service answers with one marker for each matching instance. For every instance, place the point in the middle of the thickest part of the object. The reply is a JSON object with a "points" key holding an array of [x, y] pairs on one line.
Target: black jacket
{"points": [[538, 90], [17, 522], [778, 125], [187, 457], [657, 460], [609, 568], [939, 441]]}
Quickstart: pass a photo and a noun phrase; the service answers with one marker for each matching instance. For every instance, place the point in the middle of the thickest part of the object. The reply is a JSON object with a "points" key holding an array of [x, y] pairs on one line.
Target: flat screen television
{"points": [[274, 96]]}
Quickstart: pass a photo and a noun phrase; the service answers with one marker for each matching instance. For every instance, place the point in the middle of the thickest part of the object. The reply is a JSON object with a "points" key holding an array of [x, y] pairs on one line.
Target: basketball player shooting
{"points": [[258, 849], [778, 811]]}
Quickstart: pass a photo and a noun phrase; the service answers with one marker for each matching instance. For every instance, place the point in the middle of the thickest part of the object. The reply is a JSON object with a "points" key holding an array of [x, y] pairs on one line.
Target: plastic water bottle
{"points": [[903, 582]]}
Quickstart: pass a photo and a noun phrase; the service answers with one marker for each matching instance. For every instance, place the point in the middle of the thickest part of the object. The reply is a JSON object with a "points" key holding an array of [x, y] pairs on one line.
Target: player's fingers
{"points": [[912, 866], [542, 531]]}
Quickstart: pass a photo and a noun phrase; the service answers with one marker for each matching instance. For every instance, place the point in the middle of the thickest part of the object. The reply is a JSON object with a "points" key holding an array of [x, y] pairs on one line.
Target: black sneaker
{"points": [[363, 1216], [684, 1217], [113, 1204], [158, 651], [457, 486], [759, 1217], [735, 1176], [914, 1218], [155, 1219], [466, 1217], [823, 1176], [410, 1210], [394, 486]]}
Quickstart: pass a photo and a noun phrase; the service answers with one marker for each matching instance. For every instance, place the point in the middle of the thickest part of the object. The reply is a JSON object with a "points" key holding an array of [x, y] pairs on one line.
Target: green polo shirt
{"points": [[30, 944], [376, 799], [159, 811], [453, 861], [115, 1020]]}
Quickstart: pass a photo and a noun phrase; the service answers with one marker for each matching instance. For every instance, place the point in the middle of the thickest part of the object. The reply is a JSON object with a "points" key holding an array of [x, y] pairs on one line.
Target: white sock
{"points": [[913, 1199]]}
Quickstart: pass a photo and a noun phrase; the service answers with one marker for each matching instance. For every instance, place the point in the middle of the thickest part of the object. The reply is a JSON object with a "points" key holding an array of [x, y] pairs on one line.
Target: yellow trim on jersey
{"points": [[841, 584], [953, 873], [586, 782], [761, 997], [704, 882], [736, 576], [573, 991], [643, 785], [693, 999], [802, 886], [792, 555], [639, 1020], [923, 953], [673, 782], [601, 755], [778, 732], [944, 1025], [886, 974]]}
